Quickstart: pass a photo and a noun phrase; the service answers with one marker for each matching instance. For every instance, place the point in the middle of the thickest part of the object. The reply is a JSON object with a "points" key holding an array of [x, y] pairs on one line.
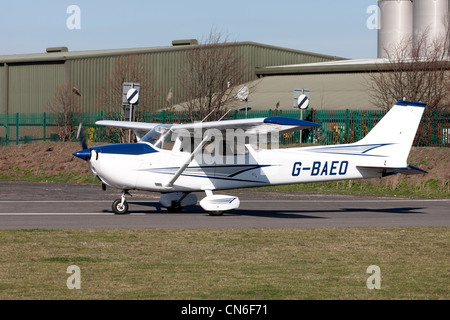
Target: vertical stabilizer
{"points": [[396, 132]]}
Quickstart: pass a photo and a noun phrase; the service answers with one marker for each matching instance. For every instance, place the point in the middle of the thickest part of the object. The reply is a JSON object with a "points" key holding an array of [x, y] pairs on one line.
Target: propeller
{"points": [[85, 152], [81, 137]]}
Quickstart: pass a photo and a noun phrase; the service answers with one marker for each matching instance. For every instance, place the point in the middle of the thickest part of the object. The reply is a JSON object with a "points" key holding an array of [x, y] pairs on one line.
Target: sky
{"points": [[337, 28]]}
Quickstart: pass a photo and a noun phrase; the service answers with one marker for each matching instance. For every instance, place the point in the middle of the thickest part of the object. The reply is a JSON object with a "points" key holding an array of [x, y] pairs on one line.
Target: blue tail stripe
{"points": [[411, 103]]}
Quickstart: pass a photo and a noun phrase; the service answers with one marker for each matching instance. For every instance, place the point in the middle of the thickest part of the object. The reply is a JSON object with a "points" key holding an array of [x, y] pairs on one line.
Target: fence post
{"points": [[347, 122], [45, 126], [7, 132], [17, 128]]}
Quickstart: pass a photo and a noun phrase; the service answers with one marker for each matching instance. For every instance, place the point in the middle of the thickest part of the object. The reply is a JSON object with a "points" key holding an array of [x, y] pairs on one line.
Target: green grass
{"points": [[292, 264], [62, 177]]}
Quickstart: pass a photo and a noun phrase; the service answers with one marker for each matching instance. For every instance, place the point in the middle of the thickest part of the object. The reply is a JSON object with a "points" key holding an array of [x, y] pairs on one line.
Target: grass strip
{"points": [[292, 264]]}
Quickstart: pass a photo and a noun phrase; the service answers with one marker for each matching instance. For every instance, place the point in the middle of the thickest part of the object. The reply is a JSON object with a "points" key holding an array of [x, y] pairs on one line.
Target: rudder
{"points": [[396, 131]]}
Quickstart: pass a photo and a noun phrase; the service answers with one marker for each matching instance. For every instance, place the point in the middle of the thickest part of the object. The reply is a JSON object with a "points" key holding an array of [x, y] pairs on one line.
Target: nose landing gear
{"points": [[120, 206]]}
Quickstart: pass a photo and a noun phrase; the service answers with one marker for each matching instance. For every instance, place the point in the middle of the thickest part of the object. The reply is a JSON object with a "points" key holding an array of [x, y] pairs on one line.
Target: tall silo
{"points": [[430, 17], [396, 24]]}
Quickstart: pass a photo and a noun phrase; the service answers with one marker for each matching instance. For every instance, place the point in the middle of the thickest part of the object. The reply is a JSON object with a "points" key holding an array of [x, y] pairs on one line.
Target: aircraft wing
{"points": [[252, 125], [139, 128]]}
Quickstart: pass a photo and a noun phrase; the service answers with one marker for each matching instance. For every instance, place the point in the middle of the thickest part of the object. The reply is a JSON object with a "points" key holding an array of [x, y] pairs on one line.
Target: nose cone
{"points": [[83, 154]]}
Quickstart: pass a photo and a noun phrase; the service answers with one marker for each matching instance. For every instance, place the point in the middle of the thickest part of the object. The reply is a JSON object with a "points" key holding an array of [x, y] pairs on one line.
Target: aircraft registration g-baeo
{"points": [[179, 159]]}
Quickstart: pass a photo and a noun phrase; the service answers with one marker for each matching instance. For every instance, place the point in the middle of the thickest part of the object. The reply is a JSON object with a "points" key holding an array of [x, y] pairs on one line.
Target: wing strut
{"points": [[186, 164]]}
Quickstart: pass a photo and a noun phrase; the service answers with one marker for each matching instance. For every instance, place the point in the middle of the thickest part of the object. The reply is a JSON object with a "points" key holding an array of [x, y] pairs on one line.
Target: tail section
{"points": [[386, 147], [390, 141]]}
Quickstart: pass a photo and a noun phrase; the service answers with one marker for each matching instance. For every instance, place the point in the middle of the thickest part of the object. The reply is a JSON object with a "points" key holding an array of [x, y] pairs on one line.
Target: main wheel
{"points": [[174, 209], [215, 213], [119, 208]]}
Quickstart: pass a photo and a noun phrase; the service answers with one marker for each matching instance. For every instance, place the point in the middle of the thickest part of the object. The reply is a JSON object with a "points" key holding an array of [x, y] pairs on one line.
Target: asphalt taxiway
{"points": [[60, 206]]}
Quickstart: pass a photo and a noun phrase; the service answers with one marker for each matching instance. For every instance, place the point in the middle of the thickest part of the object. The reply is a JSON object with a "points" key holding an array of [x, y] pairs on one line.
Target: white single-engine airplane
{"points": [[179, 159]]}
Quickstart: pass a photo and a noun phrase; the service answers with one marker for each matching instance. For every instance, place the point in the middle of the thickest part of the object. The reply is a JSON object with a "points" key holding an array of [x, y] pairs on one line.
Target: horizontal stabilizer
{"points": [[409, 170]]}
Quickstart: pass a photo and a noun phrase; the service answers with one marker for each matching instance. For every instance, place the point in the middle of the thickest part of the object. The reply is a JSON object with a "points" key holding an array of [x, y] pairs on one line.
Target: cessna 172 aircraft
{"points": [[179, 159]]}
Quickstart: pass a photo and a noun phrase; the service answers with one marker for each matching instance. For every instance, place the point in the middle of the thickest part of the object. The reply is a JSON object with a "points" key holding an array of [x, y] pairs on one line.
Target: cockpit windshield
{"points": [[160, 137]]}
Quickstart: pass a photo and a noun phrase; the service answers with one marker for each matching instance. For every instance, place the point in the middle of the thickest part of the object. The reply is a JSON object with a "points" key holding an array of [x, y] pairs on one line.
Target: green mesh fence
{"points": [[338, 126]]}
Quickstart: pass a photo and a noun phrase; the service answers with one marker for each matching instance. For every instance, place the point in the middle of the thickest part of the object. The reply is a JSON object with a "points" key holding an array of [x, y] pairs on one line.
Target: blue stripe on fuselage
{"points": [[125, 148]]}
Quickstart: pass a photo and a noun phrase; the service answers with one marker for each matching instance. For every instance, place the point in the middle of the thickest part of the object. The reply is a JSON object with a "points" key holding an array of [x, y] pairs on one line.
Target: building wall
{"points": [[89, 75], [31, 86], [328, 91], [332, 91], [3, 89], [32, 83]]}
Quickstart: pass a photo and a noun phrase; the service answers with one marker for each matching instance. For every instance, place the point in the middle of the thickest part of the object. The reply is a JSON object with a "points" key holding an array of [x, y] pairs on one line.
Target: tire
{"points": [[215, 213], [174, 209], [119, 209]]}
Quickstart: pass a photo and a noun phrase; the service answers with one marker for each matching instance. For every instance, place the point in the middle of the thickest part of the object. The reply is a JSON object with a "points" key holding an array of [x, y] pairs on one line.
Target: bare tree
{"points": [[127, 68], [212, 71], [415, 70], [65, 105]]}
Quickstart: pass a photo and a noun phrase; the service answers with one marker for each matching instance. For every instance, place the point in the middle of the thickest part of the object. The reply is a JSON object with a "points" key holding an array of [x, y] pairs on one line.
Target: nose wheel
{"points": [[120, 206]]}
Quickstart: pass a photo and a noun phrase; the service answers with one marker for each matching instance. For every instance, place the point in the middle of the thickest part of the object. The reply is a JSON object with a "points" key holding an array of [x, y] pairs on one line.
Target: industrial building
{"points": [[28, 82], [334, 85]]}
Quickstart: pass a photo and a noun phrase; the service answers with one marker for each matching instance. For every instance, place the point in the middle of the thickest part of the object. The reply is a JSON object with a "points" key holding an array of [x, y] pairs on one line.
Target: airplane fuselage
{"points": [[151, 170]]}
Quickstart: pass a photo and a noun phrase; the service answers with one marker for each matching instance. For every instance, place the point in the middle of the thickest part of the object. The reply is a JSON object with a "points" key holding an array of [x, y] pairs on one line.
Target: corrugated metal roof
{"points": [[61, 56], [356, 65]]}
